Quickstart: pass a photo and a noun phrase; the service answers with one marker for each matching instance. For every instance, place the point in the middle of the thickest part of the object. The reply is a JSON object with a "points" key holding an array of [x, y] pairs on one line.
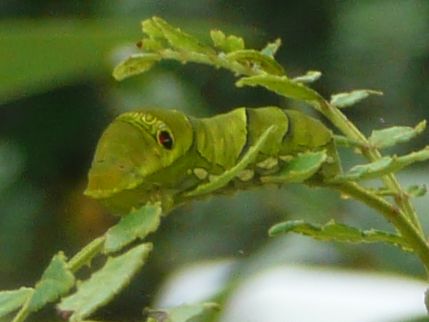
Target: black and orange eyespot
{"points": [[165, 139]]}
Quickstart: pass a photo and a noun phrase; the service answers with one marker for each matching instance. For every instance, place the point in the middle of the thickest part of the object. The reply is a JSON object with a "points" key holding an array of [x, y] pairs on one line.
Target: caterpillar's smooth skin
{"points": [[164, 155]]}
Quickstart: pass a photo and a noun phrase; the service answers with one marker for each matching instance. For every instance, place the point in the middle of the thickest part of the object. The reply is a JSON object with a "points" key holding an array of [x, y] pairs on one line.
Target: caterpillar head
{"points": [[135, 146]]}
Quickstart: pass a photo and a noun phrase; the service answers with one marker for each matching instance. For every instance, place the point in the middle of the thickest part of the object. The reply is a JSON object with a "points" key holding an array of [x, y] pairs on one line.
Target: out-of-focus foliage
{"points": [[56, 96]]}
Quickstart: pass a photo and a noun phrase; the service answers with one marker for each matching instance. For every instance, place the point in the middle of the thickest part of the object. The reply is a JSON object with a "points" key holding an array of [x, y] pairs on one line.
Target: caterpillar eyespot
{"points": [[165, 139], [234, 150]]}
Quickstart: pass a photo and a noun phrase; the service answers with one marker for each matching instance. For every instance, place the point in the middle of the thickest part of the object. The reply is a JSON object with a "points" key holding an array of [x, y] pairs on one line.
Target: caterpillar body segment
{"points": [[165, 155]]}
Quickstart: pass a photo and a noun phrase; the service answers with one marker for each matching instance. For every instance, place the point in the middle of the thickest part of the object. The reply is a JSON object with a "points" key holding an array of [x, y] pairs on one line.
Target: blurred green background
{"points": [[57, 95]]}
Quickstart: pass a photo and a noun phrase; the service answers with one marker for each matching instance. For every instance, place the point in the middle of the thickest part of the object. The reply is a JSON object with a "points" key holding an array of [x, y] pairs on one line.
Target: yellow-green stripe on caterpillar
{"points": [[165, 155]]}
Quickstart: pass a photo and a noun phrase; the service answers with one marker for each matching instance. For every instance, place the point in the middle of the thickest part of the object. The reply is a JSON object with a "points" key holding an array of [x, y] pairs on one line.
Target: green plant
{"points": [[254, 68]]}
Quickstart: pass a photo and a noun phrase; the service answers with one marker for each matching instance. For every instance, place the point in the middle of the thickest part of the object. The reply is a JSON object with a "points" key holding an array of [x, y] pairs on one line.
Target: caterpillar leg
{"points": [[220, 181]]}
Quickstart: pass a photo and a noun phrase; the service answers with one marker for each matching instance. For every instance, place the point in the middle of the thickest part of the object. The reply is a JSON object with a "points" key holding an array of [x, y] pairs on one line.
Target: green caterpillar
{"points": [[165, 155]]}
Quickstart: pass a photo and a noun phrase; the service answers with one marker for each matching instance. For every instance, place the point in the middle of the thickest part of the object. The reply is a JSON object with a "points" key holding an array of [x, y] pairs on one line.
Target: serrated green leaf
{"points": [[282, 86], [226, 44], [56, 281], [135, 64], [332, 231], [383, 166], [103, 285], [342, 100], [310, 77], [179, 39], [182, 313], [271, 48], [256, 60], [12, 300], [299, 169], [394, 135], [136, 225]]}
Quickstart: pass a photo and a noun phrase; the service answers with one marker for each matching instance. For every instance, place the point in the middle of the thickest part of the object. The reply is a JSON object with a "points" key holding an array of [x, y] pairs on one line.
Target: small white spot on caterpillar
{"points": [[200, 173], [285, 158], [268, 163], [246, 175]]}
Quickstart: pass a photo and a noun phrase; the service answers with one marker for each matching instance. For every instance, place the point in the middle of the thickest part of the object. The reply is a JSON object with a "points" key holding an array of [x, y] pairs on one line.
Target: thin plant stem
{"points": [[393, 214], [86, 254]]}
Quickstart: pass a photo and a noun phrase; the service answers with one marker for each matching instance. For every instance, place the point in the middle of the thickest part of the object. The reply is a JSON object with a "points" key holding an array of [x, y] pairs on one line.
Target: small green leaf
{"points": [[383, 166], [12, 300], [282, 86], [135, 64], [55, 282], [226, 44], [182, 313], [417, 190], [103, 285], [179, 39], [393, 135], [342, 100], [310, 77], [299, 169], [136, 225], [271, 48], [332, 231], [218, 38], [256, 60]]}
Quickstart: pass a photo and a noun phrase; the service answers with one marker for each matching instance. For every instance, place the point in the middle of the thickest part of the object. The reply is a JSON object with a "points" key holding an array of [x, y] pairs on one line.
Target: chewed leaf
{"points": [[135, 64], [136, 225], [226, 43], [55, 282], [310, 77], [103, 285], [299, 169], [177, 38], [12, 300], [332, 231], [271, 48], [256, 60], [393, 135], [347, 99], [383, 166], [282, 86], [182, 313]]}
